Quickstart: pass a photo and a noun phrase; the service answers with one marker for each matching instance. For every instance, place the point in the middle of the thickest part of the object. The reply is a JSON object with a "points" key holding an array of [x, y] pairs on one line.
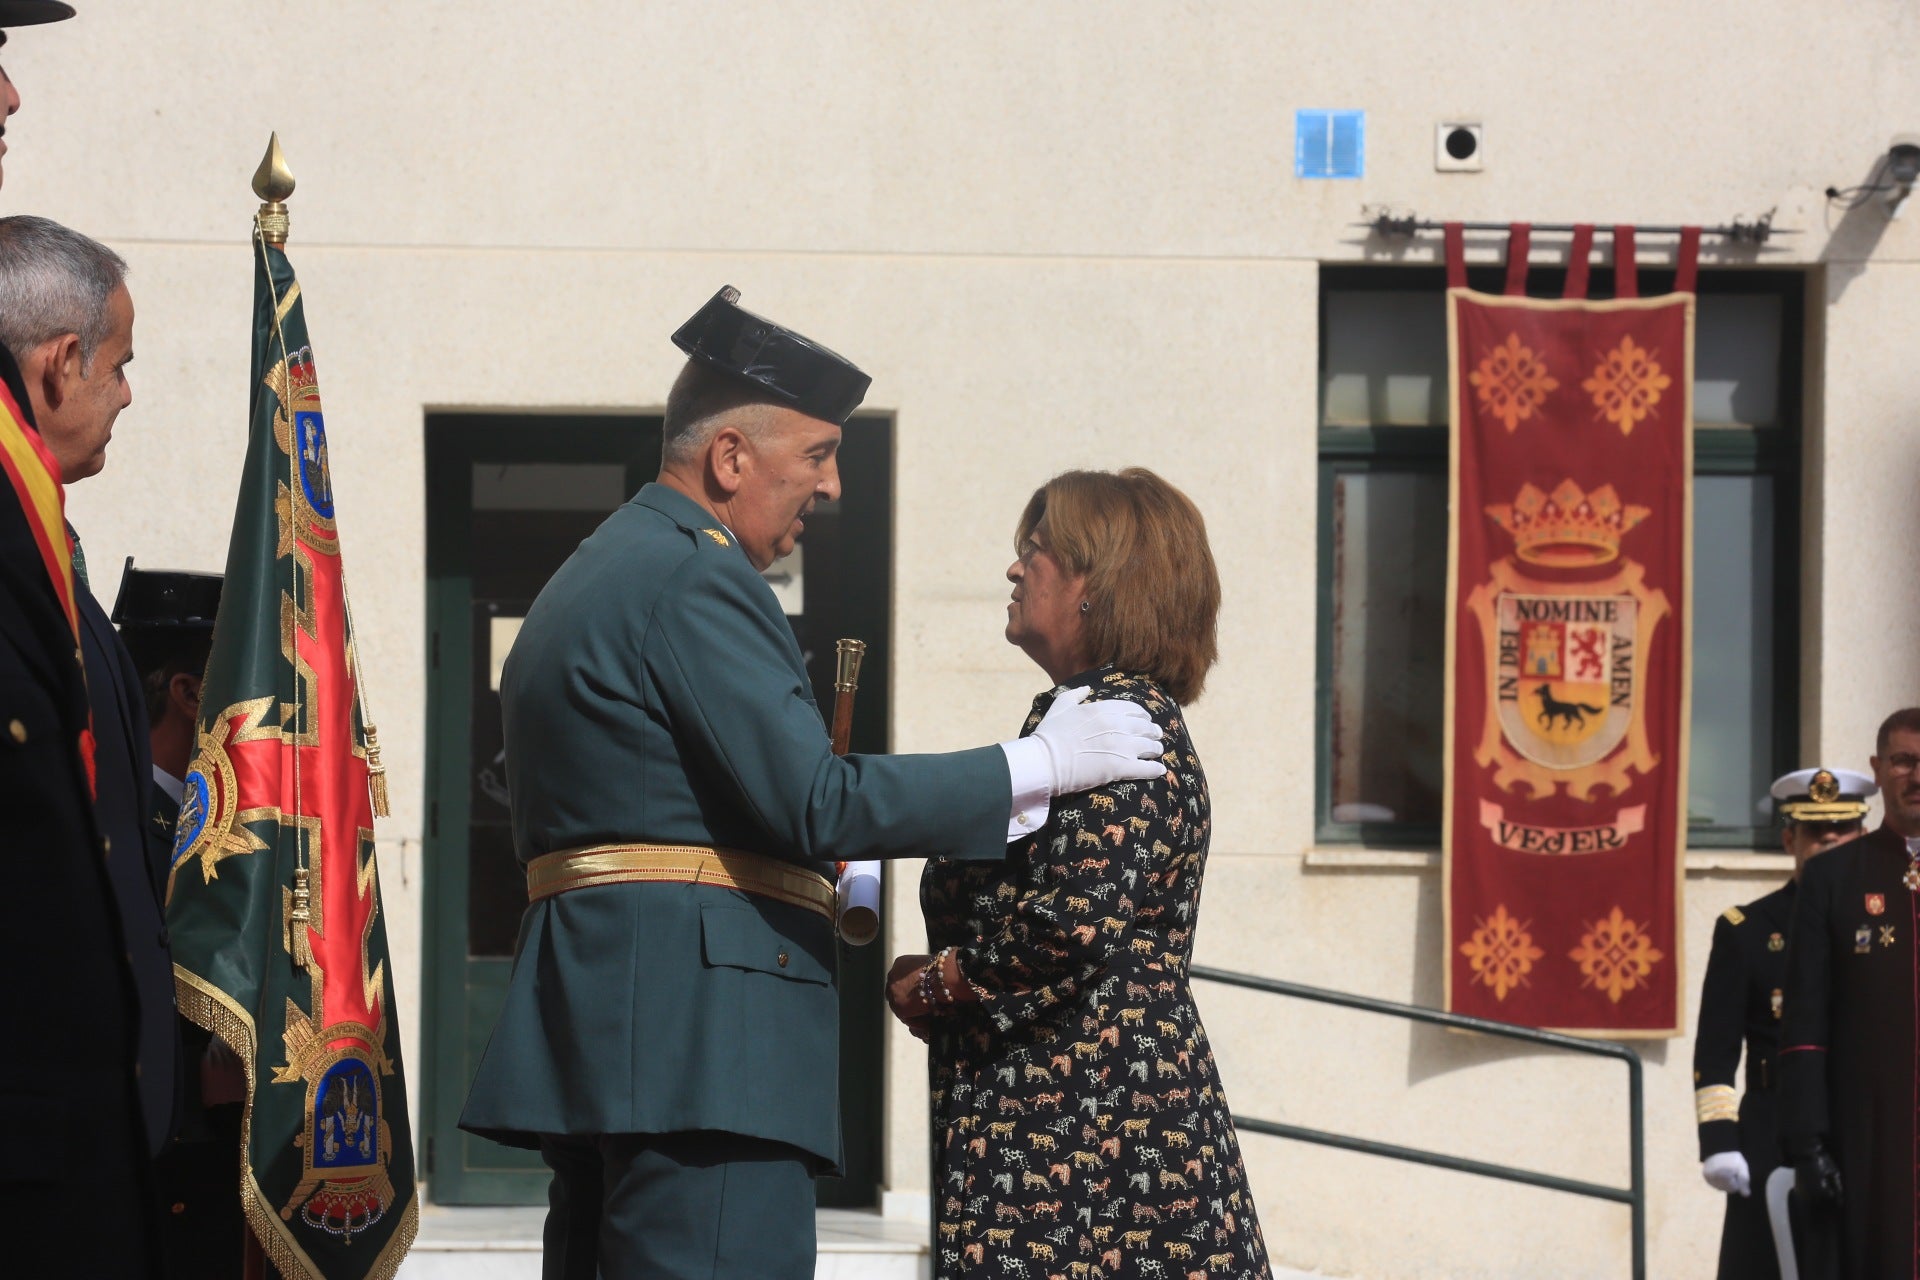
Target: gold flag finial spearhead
{"points": [[273, 183]]}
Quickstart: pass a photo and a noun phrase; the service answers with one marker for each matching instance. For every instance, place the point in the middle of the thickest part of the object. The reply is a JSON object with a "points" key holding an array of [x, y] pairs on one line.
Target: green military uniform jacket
{"points": [[656, 694]]}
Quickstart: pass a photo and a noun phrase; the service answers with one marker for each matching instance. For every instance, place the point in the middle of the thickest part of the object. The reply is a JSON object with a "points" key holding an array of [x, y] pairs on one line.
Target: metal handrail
{"points": [[1634, 1196]]}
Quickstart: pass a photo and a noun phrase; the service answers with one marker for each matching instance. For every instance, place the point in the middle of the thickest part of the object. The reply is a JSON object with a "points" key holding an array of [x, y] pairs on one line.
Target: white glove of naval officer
{"points": [[1077, 746], [1727, 1171]]}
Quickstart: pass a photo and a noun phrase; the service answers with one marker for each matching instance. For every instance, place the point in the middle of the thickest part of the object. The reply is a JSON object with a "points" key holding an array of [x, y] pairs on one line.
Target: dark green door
{"points": [[508, 499]]}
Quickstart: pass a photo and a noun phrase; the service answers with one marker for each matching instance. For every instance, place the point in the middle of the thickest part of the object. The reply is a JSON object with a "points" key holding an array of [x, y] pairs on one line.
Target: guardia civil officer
{"points": [[165, 618], [670, 1031], [1848, 1076], [1741, 1006], [166, 622], [75, 1181]]}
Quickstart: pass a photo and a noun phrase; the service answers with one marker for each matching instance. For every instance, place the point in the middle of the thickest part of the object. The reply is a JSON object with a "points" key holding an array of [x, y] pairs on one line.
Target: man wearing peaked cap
{"points": [[166, 622], [22, 13], [669, 1036], [165, 619], [1848, 1075], [75, 1177], [1741, 1005]]}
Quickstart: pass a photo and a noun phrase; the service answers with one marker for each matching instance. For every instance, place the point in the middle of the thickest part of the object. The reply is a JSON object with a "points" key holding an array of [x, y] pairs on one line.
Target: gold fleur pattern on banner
{"points": [[1512, 382], [1615, 954], [1501, 952], [1626, 385]]}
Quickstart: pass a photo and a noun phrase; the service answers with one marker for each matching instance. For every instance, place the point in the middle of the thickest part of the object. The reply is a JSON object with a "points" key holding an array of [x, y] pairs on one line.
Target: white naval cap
{"points": [[1822, 795]]}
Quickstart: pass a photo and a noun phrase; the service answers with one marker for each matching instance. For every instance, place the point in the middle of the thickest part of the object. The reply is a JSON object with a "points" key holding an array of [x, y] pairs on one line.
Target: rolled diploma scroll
{"points": [[860, 903]]}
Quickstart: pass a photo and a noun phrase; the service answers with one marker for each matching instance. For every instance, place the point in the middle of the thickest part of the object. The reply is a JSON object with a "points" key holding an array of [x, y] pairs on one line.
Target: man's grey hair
{"points": [[702, 400], [54, 281]]}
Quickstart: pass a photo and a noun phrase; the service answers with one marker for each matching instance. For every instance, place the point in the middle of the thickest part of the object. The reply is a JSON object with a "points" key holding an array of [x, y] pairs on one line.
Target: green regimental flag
{"points": [[273, 898]]}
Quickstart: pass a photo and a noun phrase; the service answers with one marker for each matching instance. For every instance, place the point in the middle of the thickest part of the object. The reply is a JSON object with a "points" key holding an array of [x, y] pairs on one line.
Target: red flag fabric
{"points": [[1567, 696]]}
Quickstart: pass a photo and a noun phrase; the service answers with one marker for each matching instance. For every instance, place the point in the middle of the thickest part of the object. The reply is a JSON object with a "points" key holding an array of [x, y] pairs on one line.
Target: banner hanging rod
{"points": [[1739, 231]]}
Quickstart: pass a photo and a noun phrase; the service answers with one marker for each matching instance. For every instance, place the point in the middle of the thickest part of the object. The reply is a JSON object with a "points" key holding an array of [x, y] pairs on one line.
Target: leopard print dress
{"points": [[1079, 1127]]}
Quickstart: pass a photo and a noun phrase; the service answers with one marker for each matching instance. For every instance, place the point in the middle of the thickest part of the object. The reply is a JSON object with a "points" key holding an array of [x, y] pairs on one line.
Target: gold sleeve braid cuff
{"points": [[1716, 1102], [753, 873]]}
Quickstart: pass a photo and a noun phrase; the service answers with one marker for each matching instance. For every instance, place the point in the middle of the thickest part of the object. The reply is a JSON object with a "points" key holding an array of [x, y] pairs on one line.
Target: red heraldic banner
{"points": [[1567, 659]]}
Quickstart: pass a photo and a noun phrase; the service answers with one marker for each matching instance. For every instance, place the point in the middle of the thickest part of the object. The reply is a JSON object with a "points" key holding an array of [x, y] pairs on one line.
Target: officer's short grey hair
{"points": [[54, 281], [701, 397]]}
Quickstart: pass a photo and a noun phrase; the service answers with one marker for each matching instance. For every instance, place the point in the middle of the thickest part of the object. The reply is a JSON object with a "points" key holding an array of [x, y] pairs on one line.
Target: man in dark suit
{"points": [[670, 1032], [67, 319], [1741, 1005], [166, 621], [75, 1182], [1848, 1075]]}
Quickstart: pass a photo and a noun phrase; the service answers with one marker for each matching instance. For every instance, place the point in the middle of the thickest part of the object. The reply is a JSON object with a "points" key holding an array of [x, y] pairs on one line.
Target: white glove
{"points": [[1727, 1171], [1081, 745]]}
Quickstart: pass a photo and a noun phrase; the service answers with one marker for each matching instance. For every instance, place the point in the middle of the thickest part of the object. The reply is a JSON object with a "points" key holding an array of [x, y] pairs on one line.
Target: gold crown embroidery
{"points": [[1570, 527]]}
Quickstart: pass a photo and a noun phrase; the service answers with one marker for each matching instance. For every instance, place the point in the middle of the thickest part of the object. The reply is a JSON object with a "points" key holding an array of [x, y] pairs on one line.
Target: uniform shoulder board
{"points": [[719, 536], [1734, 915]]}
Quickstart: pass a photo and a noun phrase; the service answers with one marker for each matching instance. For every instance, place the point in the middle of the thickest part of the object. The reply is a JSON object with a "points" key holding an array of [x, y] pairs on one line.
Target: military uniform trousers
{"points": [[699, 1205]]}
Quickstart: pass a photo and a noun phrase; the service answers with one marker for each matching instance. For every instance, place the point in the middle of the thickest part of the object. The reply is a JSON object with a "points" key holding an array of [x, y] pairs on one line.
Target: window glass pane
{"points": [[1389, 652], [1736, 360], [549, 486], [1385, 359], [1733, 675], [1385, 355]]}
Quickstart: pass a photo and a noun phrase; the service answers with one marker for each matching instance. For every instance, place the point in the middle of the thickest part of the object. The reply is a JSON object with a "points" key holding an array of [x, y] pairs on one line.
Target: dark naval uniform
{"points": [[124, 806], [655, 693], [1848, 1076], [1740, 1007], [74, 1174]]}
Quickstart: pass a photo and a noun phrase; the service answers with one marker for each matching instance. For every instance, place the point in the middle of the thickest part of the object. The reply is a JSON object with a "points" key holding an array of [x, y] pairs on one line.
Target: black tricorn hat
{"points": [[795, 369], [27, 13], [166, 600]]}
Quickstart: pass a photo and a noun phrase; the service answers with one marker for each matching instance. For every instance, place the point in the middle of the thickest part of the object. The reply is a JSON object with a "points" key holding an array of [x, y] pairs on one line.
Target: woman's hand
{"points": [[904, 996]]}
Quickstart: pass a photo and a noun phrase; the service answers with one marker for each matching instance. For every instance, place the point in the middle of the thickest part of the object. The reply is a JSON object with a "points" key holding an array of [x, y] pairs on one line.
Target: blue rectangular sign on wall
{"points": [[1329, 144]]}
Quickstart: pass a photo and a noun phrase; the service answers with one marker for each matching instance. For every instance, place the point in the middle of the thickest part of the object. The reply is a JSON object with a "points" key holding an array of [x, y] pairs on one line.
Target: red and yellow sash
{"points": [[30, 468]]}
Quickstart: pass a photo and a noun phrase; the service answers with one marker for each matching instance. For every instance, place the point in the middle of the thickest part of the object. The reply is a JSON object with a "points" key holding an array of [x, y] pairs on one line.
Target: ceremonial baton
{"points": [[859, 888]]}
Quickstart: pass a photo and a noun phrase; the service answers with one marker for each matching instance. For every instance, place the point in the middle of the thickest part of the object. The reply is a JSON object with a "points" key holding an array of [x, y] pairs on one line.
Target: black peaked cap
{"points": [[28, 13], [796, 369], [166, 600]]}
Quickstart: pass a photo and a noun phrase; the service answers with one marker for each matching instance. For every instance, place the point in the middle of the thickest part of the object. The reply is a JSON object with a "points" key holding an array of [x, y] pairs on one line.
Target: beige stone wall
{"points": [[1057, 234]]}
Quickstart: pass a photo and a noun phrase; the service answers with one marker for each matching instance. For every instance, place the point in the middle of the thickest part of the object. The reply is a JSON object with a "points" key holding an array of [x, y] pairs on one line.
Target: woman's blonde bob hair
{"points": [[1153, 595]]}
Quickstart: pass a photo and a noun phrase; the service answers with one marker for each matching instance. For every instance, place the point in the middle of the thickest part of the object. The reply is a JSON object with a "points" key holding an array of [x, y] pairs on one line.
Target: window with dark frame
{"points": [[1383, 548]]}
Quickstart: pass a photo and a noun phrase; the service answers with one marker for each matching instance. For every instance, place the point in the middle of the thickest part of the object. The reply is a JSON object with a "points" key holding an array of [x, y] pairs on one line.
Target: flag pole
{"points": [[273, 183]]}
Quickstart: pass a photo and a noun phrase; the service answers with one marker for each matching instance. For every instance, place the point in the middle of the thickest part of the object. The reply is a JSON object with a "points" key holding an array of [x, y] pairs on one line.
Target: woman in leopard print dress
{"points": [[1079, 1126]]}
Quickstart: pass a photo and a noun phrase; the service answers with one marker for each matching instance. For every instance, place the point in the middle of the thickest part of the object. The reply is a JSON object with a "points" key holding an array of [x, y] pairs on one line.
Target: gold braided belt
{"points": [[753, 873]]}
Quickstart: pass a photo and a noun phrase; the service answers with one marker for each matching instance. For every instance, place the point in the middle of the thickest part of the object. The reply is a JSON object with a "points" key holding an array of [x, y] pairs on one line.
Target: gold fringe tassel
{"points": [[376, 774]]}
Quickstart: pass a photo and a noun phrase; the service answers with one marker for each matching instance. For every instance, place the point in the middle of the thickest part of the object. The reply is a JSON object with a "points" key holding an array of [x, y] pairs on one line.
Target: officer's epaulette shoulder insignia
{"points": [[718, 536], [1734, 915]]}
